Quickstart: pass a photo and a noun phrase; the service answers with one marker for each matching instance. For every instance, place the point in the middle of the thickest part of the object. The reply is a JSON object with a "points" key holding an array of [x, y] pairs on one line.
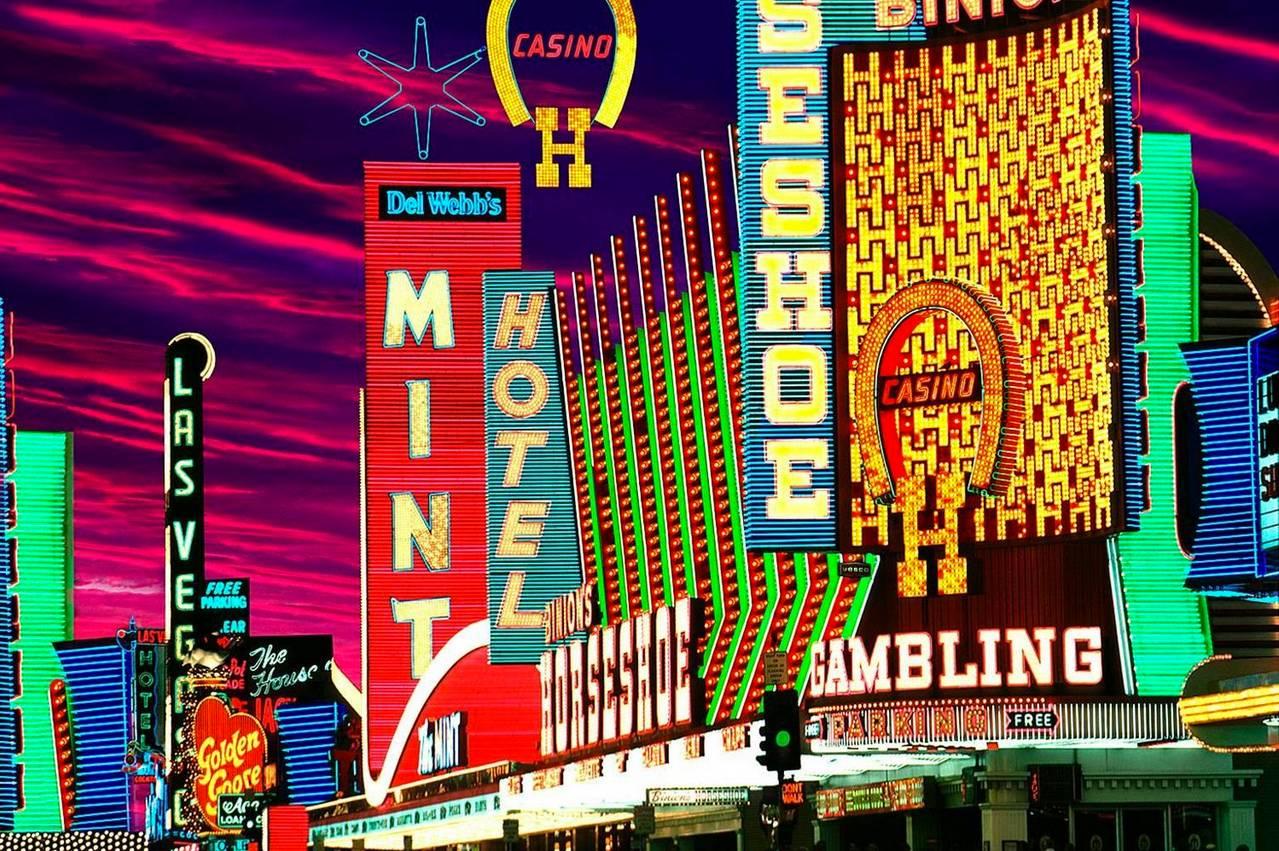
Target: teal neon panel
{"points": [[1167, 624], [547, 539]]}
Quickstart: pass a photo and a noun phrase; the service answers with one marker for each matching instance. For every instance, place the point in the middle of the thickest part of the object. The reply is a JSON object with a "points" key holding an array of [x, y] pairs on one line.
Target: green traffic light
{"points": [[783, 738]]}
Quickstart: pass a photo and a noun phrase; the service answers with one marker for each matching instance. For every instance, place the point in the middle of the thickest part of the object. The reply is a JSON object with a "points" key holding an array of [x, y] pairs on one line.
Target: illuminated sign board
{"points": [[433, 814], [224, 614], [1031, 719], [1232, 705], [546, 119], [1008, 659], [149, 688], [625, 680], [441, 743], [898, 14], [532, 513], [442, 203], [189, 362], [277, 671], [240, 811], [788, 331], [231, 753], [1018, 225], [425, 571], [1268, 458], [699, 796], [911, 793], [571, 613], [1232, 521], [1004, 720]]}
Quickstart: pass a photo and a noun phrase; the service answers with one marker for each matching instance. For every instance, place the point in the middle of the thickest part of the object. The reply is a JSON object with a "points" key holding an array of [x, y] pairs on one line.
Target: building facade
{"points": [[45, 594]]}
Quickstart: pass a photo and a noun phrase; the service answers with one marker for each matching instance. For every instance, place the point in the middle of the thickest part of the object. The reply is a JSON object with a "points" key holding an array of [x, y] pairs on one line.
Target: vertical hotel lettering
{"points": [[789, 340], [430, 234]]}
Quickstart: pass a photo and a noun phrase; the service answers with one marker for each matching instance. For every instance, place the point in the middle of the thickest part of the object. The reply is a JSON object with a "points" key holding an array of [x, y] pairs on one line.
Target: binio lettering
{"points": [[896, 14]]}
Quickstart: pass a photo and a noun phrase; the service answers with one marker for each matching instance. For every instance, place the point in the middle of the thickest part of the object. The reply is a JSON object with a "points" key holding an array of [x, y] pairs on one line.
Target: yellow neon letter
{"points": [[778, 186], [530, 372], [430, 307], [523, 520], [784, 504], [781, 82], [519, 442], [419, 418], [410, 530], [421, 616], [795, 358], [509, 615], [804, 38], [524, 321], [775, 316]]}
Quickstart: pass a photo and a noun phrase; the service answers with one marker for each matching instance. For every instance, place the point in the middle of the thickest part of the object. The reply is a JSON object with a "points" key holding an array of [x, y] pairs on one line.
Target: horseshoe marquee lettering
{"points": [[1004, 382]]}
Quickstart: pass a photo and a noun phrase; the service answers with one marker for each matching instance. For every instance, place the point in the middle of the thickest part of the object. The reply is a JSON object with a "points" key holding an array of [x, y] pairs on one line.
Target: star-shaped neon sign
{"points": [[426, 86]]}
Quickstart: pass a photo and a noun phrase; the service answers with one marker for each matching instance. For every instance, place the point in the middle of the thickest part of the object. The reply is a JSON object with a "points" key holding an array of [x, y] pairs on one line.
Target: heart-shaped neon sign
{"points": [[230, 753]]}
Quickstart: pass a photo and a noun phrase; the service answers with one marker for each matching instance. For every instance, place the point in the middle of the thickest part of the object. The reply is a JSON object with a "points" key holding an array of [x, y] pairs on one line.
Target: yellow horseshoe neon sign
{"points": [[508, 90], [1004, 382]]}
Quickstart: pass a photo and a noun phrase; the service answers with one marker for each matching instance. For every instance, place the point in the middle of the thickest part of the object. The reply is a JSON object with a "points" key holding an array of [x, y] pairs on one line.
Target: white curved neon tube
{"points": [[468, 640]]}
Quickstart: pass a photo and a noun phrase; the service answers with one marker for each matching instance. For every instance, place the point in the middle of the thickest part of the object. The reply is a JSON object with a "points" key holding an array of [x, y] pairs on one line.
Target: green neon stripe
{"points": [[858, 605], [708, 508], [770, 577], [632, 479], [681, 476], [613, 492], [730, 469], [596, 532], [663, 533], [801, 599], [823, 614]]}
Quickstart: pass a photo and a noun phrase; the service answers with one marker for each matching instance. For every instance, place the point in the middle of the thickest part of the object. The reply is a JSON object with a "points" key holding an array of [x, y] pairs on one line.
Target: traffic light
{"points": [[780, 736]]}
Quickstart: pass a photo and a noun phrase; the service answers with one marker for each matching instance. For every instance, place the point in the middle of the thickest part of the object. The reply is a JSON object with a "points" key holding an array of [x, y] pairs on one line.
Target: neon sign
{"points": [[425, 489], [625, 680], [231, 756], [546, 119], [562, 46], [533, 553], [441, 743], [1007, 658], [1019, 280]]}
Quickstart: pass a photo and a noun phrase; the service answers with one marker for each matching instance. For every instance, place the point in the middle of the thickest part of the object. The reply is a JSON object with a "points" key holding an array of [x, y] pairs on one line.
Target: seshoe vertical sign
{"points": [[431, 232]]}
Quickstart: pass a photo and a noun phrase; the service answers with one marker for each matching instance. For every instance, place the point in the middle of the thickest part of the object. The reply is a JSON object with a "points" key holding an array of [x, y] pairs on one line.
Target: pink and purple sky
{"points": [[170, 166]]}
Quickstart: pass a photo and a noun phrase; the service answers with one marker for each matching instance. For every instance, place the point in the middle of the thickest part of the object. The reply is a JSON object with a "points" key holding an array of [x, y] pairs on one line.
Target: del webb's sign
{"points": [[627, 679]]}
